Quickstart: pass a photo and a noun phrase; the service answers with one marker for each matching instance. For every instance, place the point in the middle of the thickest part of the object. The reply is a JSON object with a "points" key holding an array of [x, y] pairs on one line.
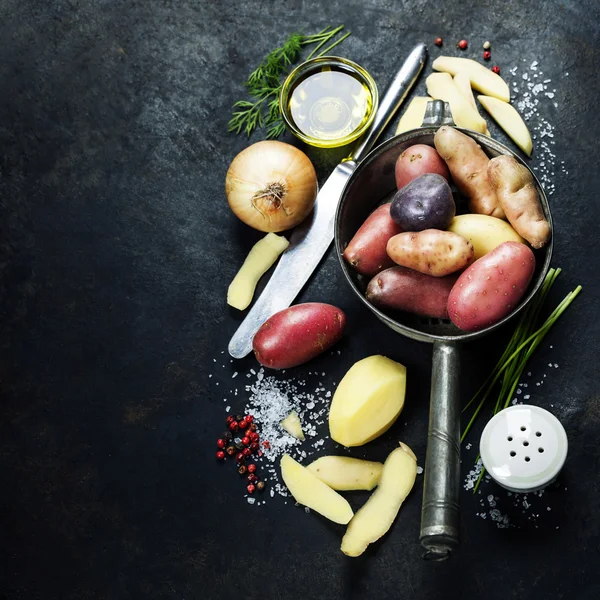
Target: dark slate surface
{"points": [[116, 250]]}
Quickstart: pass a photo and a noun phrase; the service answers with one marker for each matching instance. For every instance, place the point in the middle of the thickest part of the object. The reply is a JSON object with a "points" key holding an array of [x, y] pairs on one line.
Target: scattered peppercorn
{"points": [[246, 452], [487, 45], [259, 453], [250, 489], [439, 42], [230, 450], [246, 440], [253, 427], [239, 446], [463, 44], [249, 418], [220, 455], [260, 486], [233, 426], [220, 443], [253, 436], [230, 419], [239, 457], [252, 478], [243, 424], [496, 69], [251, 468], [254, 447], [266, 444], [226, 435], [242, 470], [487, 55], [239, 417]]}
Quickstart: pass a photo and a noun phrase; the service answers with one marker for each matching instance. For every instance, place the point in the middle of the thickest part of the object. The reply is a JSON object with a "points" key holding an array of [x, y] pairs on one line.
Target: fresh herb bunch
{"points": [[264, 83], [526, 338]]}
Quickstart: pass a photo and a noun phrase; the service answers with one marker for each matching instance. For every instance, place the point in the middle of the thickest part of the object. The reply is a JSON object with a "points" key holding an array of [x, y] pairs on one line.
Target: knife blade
{"points": [[311, 239]]}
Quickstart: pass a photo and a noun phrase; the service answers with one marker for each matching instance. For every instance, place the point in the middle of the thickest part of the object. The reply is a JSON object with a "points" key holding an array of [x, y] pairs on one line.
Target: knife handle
{"points": [[394, 95]]}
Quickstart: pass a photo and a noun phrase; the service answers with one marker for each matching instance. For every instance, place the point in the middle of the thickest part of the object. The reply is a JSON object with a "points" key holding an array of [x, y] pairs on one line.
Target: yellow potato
{"points": [[485, 233], [412, 117], [463, 85], [431, 251], [367, 401], [441, 87], [259, 260], [510, 120], [375, 518], [346, 473], [292, 425], [309, 490], [482, 79]]}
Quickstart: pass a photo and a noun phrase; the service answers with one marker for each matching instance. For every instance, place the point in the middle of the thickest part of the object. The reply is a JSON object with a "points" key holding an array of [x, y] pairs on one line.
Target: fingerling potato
{"points": [[400, 288], [432, 251], [518, 197]]}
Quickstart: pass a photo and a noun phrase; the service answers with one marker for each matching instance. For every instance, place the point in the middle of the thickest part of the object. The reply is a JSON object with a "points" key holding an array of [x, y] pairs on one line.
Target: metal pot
{"points": [[372, 183]]}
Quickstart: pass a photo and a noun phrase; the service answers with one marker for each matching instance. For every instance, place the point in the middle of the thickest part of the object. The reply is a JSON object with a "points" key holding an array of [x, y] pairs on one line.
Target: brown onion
{"points": [[271, 186]]}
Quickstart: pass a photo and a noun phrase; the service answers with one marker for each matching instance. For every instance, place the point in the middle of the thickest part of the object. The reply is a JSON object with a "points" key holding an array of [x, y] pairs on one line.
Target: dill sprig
{"points": [[264, 83], [527, 336]]}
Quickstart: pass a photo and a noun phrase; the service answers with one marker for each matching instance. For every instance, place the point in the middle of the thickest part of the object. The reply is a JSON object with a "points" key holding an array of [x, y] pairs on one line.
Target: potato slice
{"points": [[346, 473], [293, 426], [510, 120], [367, 400], [375, 518], [463, 85], [309, 490], [259, 260], [441, 87], [482, 79], [412, 118]]}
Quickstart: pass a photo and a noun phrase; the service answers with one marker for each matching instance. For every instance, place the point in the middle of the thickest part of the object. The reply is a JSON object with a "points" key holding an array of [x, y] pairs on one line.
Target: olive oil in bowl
{"points": [[328, 102]]}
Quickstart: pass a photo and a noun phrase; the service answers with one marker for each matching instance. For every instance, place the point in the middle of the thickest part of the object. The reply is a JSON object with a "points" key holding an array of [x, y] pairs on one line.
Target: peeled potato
{"points": [[463, 85], [510, 120], [412, 117], [375, 518], [482, 79], [367, 401], [309, 490], [441, 87], [346, 473]]}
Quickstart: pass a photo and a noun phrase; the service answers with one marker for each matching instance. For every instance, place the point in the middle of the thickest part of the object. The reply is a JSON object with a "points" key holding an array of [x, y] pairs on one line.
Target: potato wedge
{"points": [[260, 259], [346, 473], [367, 401], [375, 518], [510, 120], [412, 117], [310, 491], [292, 425], [482, 79], [441, 87], [463, 85]]}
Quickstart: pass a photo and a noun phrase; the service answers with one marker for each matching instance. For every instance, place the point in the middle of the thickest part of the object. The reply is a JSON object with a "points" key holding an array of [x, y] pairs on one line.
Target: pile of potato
{"points": [[423, 258]]}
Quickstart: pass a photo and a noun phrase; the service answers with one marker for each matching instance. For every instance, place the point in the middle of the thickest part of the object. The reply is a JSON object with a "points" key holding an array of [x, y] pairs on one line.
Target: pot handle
{"points": [[437, 113], [440, 514]]}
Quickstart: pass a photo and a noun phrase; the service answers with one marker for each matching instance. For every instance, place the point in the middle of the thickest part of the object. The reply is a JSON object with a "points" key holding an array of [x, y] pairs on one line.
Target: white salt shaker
{"points": [[523, 448]]}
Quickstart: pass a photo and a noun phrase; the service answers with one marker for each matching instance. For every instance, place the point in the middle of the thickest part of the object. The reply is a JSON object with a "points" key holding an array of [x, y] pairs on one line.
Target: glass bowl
{"points": [[332, 107]]}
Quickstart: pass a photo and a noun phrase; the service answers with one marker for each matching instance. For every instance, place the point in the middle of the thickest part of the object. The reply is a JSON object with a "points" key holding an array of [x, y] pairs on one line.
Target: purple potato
{"points": [[424, 203]]}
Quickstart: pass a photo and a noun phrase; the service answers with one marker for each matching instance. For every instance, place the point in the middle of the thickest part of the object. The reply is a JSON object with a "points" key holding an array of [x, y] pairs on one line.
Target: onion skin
{"points": [[271, 186]]}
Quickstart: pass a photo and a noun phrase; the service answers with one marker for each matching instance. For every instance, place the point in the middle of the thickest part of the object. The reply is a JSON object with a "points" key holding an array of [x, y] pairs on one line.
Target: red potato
{"points": [[418, 160], [400, 288], [366, 250], [491, 287], [297, 334], [431, 251]]}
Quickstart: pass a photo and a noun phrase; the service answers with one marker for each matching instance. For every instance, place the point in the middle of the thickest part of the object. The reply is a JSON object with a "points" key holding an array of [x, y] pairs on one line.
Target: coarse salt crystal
{"points": [[227, 408], [251, 500], [234, 375], [419, 470]]}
